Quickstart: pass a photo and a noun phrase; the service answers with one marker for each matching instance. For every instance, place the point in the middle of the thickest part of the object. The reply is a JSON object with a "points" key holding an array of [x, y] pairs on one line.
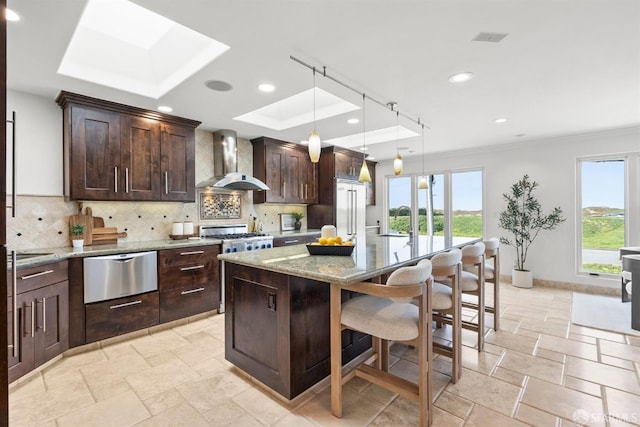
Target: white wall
{"points": [[38, 144], [550, 162]]}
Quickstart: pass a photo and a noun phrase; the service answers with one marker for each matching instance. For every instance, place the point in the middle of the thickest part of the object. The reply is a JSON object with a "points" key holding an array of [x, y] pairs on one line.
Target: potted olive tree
{"points": [[77, 235], [523, 217]]}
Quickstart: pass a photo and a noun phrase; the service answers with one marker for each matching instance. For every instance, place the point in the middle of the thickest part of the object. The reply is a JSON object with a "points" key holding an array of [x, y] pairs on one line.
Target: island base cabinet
{"points": [[118, 316], [277, 329]]}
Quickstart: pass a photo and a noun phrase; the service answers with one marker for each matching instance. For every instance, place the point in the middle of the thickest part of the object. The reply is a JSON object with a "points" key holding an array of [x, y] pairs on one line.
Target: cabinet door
{"points": [[310, 181], [295, 176], [23, 361], [177, 163], [276, 160], [139, 176], [51, 321], [94, 154], [344, 167]]}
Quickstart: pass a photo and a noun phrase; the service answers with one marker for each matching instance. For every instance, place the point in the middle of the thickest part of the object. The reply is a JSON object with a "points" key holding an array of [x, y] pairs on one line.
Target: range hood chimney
{"points": [[225, 165]]}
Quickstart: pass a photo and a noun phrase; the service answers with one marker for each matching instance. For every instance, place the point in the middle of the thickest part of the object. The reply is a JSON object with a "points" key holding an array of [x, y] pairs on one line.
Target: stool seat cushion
{"points": [[628, 288], [626, 275], [468, 281], [441, 298], [381, 317], [488, 270]]}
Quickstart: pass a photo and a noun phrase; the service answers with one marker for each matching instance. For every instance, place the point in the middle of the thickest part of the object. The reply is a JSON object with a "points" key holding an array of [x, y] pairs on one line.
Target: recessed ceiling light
{"points": [[10, 15], [218, 85], [461, 77], [266, 87], [500, 120], [165, 109], [353, 121]]}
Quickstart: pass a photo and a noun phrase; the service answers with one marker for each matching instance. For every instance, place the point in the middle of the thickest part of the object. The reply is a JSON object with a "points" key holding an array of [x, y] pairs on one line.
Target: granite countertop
{"points": [[372, 256], [45, 255]]}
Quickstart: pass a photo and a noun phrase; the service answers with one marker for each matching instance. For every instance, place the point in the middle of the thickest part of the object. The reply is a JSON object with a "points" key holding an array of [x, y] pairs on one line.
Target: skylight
{"points": [[125, 46], [298, 110], [376, 136]]}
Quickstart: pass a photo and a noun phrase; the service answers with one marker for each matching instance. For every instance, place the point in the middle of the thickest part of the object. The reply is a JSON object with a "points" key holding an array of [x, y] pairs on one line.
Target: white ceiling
{"points": [[566, 66]]}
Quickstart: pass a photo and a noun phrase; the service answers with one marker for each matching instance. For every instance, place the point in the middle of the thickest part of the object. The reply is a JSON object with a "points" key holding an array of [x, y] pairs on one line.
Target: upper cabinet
{"points": [[116, 152], [287, 171], [341, 163]]}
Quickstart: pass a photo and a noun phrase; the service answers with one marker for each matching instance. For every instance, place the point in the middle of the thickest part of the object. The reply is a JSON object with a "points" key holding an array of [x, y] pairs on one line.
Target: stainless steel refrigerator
{"points": [[350, 208]]}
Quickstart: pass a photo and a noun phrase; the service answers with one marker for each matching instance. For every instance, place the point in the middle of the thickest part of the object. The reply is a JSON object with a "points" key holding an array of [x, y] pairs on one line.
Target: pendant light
{"points": [[423, 180], [365, 176], [397, 162], [314, 139]]}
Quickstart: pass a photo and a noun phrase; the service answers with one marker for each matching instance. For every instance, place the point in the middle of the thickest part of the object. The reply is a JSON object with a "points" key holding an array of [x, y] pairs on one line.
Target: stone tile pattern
{"points": [[42, 221], [539, 370]]}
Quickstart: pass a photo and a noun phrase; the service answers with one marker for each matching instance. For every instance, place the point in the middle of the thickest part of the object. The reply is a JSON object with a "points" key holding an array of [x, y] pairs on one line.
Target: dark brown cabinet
{"points": [[118, 316], [277, 328], [41, 317], [117, 152], [287, 171], [188, 281]]}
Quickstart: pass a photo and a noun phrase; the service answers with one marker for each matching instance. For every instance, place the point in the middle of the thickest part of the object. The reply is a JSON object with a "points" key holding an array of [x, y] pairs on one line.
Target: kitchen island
{"points": [[277, 321]]}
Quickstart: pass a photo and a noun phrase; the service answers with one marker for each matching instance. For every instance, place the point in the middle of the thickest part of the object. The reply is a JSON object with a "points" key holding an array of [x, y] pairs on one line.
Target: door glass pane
{"points": [[603, 215], [399, 216], [466, 203]]}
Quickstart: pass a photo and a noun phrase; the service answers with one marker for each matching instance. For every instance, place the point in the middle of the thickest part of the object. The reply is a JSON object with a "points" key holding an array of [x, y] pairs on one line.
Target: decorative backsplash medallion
{"points": [[218, 206]]}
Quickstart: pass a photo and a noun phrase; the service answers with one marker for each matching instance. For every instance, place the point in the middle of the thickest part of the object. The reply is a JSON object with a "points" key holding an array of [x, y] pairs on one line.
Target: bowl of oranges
{"points": [[331, 246]]}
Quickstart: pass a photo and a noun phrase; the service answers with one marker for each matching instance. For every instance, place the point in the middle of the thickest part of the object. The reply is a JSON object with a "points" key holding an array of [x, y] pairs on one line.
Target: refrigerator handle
{"points": [[355, 211]]}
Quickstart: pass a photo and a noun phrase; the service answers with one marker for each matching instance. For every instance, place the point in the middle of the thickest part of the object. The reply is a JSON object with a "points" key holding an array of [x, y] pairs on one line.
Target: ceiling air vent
{"points": [[490, 37]]}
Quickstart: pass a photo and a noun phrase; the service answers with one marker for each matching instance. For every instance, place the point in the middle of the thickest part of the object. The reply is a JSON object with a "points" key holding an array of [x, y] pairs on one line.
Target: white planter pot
{"points": [[522, 278], [77, 243]]}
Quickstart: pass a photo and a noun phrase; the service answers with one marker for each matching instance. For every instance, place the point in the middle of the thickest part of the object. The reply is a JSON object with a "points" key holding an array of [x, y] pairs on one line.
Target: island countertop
{"points": [[372, 256]]}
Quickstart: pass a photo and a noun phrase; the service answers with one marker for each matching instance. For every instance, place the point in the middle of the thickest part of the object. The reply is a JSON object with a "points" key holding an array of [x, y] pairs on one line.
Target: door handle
{"points": [[195, 267], [191, 253], [271, 301], [115, 179], [44, 314], [14, 283], [166, 182], [126, 180], [13, 168], [31, 276], [191, 291], [126, 304]]}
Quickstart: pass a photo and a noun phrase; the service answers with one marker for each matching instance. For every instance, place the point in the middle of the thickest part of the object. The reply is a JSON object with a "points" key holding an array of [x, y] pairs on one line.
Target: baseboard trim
{"points": [[570, 286]]}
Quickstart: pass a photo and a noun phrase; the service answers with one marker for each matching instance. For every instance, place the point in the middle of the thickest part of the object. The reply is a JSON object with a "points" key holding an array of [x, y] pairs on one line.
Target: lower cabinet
{"points": [[188, 281], [277, 328], [114, 317], [41, 317]]}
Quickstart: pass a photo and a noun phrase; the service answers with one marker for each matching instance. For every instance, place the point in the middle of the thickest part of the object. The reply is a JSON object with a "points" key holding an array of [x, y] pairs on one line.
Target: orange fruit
{"points": [[331, 241], [322, 240], [338, 240]]}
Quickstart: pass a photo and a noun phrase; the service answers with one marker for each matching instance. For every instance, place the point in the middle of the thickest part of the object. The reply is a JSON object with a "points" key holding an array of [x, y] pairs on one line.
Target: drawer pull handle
{"points": [[286, 242], [126, 304], [191, 253], [195, 267], [30, 276], [192, 291]]}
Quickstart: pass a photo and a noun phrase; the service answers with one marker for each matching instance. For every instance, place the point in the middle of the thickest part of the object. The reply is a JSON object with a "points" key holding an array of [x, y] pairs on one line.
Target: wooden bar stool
{"points": [[446, 305], [386, 312], [492, 275]]}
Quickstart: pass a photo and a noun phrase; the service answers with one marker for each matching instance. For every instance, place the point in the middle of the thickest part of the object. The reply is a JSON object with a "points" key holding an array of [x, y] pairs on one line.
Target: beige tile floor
{"points": [[539, 370]]}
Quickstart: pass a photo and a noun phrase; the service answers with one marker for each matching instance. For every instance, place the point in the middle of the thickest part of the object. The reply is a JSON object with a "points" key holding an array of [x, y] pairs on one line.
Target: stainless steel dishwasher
{"points": [[115, 276]]}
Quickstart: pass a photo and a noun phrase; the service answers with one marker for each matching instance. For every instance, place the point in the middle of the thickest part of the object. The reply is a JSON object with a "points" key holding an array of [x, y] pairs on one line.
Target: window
{"points": [[466, 203], [450, 207], [602, 215]]}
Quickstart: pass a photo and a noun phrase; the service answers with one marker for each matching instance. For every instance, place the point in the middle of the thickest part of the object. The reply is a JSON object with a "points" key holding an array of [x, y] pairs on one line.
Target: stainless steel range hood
{"points": [[225, 165]]}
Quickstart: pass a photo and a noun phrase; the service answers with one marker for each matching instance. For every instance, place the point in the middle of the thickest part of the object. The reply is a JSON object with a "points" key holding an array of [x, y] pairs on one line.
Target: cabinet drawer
{"points": [[187, 301], [184, 256], [187, 275], [30, 278], [118, 316]]}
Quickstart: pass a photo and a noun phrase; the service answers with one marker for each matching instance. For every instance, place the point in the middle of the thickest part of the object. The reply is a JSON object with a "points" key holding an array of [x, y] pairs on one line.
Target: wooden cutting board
{"points": [[85, 220]]}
